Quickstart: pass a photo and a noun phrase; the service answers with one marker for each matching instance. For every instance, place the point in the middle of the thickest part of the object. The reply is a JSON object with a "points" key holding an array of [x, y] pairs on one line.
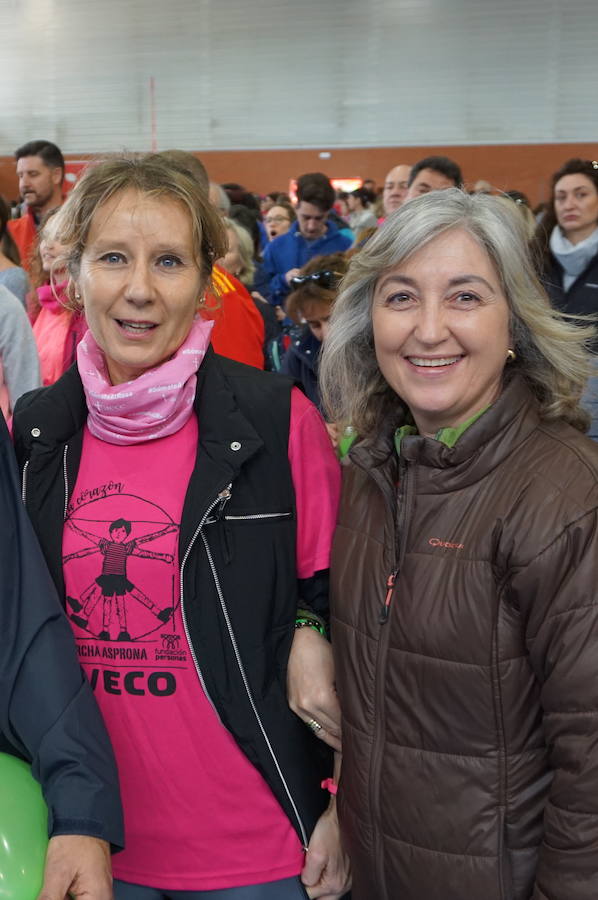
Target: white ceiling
{"points": [[232, 74]]}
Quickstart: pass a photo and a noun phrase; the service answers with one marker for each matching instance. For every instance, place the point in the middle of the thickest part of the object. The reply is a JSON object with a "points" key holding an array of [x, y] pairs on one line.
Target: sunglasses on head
{"points": [[326, 278]]}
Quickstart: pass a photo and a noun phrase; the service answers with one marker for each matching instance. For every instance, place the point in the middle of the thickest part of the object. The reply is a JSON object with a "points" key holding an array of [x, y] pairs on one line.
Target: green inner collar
{"points": [[447, 436]]}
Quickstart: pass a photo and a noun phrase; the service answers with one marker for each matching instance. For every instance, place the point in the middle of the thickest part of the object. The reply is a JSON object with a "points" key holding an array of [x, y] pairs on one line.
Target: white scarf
{"points": [[574, 258]]}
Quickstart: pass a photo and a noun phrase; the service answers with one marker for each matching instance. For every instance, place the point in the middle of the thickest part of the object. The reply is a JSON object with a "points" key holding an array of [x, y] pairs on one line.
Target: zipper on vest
{"points": [[222, 498], [244, 678], [390, 586], [66, 480], [272, 515], [376, 789], [24, 484]]}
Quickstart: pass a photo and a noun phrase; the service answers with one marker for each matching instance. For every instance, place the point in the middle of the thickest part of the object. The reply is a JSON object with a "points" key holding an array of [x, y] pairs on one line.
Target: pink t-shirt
{"points": [[198, 815]]}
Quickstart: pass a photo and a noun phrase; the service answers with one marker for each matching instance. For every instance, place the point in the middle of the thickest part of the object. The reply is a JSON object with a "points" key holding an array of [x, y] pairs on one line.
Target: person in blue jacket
{"points": [[313, 234], [48, 714]]}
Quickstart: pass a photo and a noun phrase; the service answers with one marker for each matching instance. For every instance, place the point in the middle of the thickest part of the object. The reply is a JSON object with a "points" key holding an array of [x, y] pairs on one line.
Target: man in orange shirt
{"points": [[40, 170]]}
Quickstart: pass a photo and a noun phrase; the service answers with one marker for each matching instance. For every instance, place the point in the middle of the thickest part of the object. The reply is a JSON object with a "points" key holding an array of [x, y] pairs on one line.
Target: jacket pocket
{"points": [[257, 516]]}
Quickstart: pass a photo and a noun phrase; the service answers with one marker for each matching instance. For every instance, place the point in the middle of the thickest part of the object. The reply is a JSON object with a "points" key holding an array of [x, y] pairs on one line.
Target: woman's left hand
{"points": [[326, 873], [310, 685]]}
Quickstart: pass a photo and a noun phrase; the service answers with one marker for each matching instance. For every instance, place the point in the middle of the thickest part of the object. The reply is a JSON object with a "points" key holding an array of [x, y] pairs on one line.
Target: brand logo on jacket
{"points": [[448, 545]]}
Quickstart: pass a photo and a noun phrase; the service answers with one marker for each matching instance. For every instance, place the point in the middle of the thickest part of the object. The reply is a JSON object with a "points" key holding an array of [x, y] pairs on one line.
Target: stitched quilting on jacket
{"points": [[470, 698]]}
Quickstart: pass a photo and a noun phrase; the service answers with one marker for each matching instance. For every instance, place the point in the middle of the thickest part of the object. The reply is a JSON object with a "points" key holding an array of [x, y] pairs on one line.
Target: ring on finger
{"points": [[315, 726]]}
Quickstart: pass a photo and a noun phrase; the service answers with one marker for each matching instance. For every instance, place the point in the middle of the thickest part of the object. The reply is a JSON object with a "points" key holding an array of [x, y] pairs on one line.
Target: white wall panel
{"points": [[275, 73]]}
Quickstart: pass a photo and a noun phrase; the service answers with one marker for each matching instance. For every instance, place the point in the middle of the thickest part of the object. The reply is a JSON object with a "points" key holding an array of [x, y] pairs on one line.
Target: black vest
{"points": [[237, 556]]}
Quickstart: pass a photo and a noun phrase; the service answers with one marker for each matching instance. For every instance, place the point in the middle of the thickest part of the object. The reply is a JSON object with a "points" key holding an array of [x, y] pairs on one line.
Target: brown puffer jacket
{"points": [[470, 701]]}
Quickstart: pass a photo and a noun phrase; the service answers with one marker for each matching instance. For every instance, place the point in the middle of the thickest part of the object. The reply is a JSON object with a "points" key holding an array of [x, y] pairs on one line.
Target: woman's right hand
{"points": [[326, 874], [310, 685]]}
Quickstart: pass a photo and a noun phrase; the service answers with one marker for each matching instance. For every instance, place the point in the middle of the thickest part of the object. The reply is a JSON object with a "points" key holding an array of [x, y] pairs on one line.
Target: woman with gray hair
{"points": [[464, 570]]}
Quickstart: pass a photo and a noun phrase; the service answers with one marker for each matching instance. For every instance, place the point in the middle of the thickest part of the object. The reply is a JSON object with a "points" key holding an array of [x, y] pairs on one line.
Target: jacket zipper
{"points": [[380, 680], [66, 480], [241, 668], [390, 585], [273, 515], [222, 498], [24, 484]]}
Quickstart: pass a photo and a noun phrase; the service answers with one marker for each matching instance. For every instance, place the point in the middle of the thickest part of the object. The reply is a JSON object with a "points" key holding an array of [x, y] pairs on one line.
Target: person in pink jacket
{"points": [[57, 328]]}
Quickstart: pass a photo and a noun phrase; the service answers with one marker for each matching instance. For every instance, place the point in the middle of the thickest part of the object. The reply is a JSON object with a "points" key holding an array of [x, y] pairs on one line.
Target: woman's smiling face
{"points": [[139, 281], [441, 330]]}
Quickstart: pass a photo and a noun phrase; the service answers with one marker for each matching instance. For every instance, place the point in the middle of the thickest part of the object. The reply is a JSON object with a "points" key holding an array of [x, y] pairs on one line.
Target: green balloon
{"points": [[23, 831]]}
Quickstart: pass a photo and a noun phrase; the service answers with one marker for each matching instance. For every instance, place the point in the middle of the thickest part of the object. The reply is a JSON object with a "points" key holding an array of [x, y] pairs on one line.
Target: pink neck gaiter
{"points": [[154, 405]]}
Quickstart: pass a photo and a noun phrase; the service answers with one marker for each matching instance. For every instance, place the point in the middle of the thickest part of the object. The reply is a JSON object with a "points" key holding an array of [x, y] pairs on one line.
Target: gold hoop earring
{"points": [[511, 355]]}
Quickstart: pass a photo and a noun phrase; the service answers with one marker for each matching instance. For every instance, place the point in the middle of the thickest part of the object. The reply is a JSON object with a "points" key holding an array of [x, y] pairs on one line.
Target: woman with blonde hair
{"points": [[185, 534], [58, 325], [464, 569]]}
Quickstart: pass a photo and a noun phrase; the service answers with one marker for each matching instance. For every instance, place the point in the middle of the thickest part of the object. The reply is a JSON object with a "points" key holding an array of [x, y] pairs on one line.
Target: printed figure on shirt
{"points": [[113, 585]]}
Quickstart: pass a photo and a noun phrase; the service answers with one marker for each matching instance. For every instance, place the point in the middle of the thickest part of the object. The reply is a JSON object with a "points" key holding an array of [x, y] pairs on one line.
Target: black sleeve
{"points": [[313, 594], [47, 710]]}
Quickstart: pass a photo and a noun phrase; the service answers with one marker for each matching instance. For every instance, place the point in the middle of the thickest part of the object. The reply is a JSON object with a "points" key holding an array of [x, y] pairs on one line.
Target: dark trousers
{"points": [[287, 889]]}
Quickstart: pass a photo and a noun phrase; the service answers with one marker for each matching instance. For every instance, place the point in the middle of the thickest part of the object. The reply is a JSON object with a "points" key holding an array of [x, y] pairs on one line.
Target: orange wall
{"points": [[524, 167]]}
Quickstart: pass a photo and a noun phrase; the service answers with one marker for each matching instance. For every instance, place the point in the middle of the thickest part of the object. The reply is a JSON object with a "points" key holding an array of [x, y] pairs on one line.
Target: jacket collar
{"points": [[57, 413], [487, 442]]}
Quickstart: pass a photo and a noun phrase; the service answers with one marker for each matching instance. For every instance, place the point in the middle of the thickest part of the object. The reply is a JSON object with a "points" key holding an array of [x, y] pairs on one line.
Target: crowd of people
{"points": [[316, 493]]}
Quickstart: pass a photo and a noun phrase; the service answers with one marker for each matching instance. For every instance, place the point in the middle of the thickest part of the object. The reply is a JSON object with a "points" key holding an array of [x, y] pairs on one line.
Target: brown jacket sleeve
{"points": [[557, 593]]}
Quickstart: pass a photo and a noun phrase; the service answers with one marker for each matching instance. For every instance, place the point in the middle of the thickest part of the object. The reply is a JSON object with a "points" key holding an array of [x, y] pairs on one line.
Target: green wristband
{"points": [[301, 622], [303, 613]]}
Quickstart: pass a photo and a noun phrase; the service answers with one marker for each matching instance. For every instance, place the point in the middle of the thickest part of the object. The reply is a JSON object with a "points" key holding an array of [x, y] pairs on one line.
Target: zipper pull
{"points": [[390, 584], [218, 506], [223, 497]]}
